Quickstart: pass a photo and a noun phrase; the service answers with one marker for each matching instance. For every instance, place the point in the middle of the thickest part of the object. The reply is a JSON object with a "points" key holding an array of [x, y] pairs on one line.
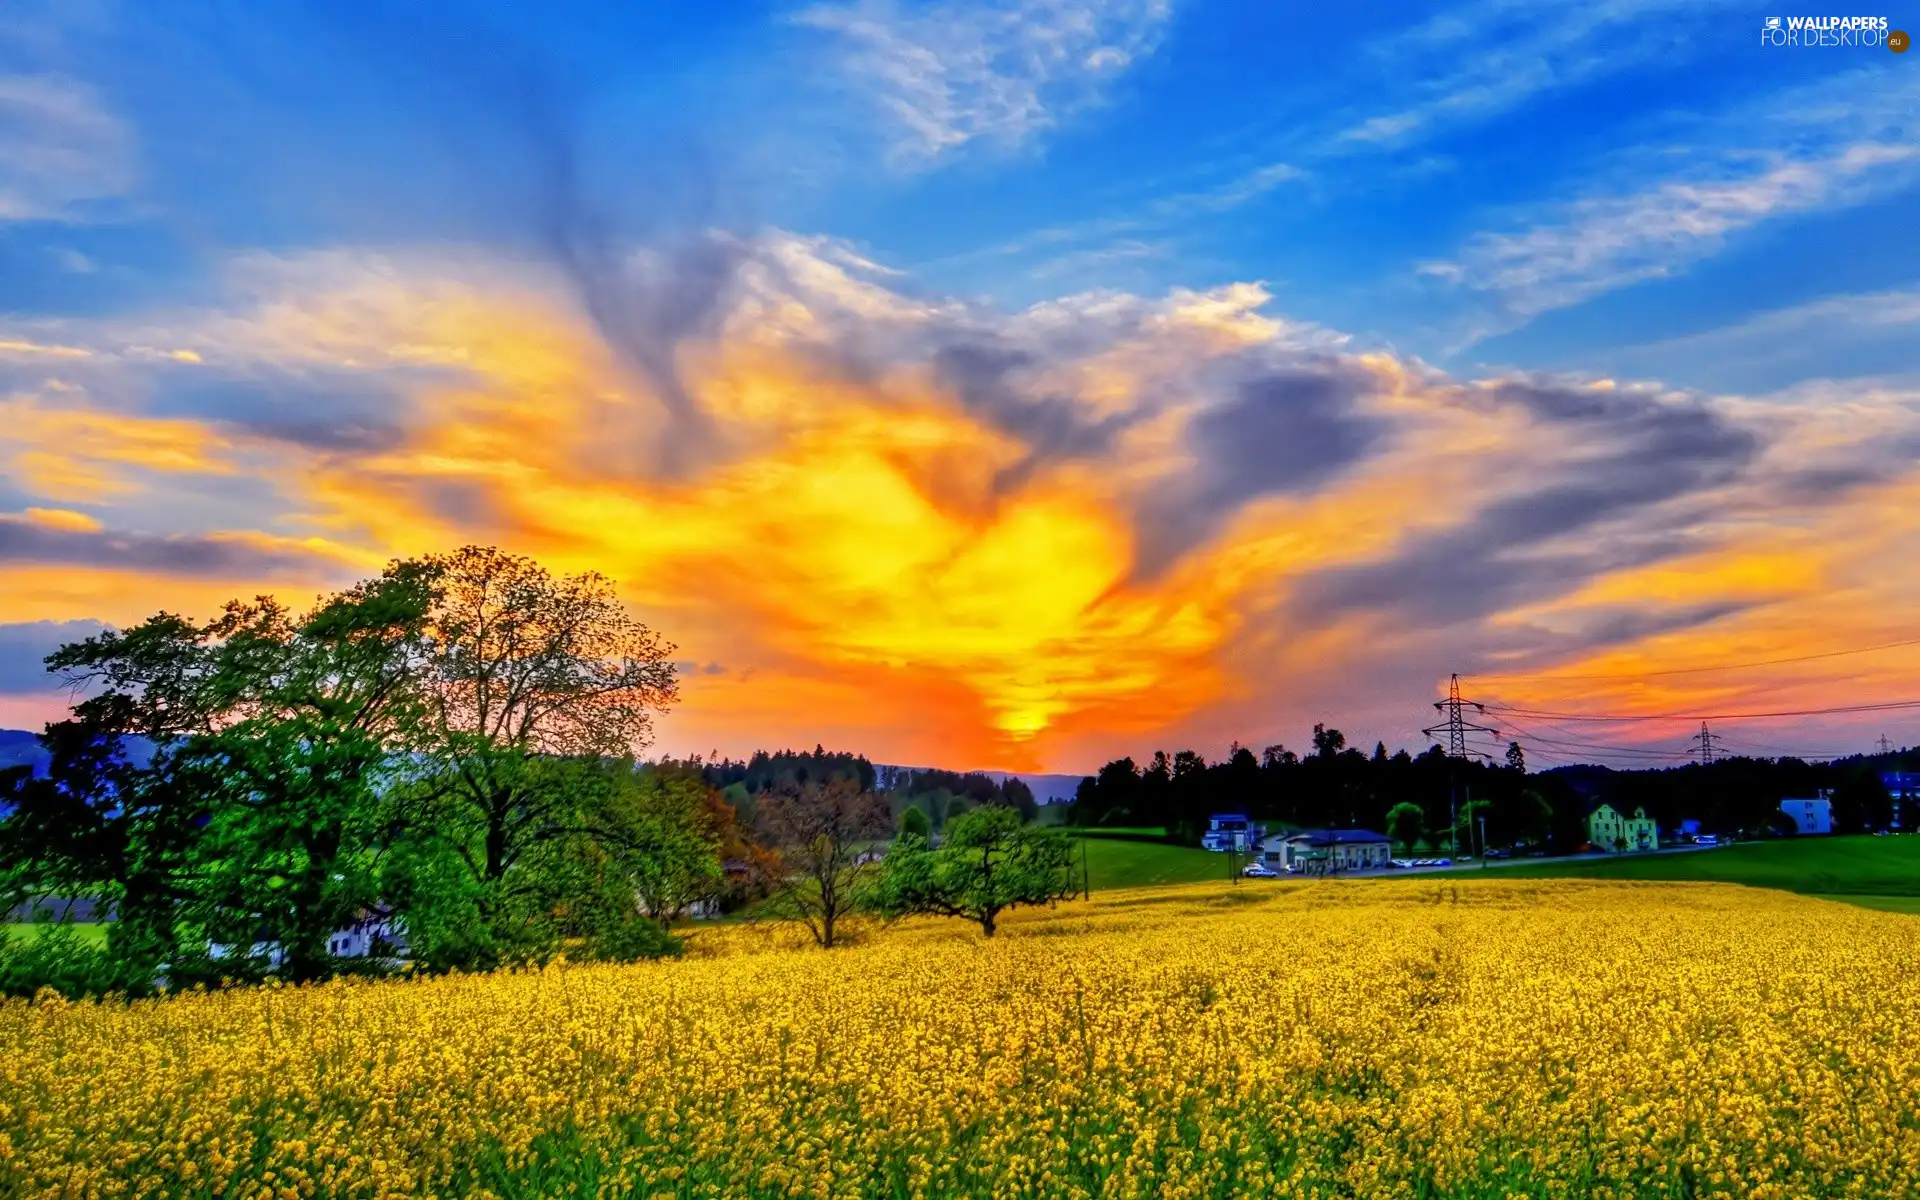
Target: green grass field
{"points": [[92, 934], [1118, 863], [1859, 869]]}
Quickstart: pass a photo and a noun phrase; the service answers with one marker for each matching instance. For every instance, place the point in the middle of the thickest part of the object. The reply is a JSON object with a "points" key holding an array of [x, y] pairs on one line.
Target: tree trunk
{"points": [[986, 921]]}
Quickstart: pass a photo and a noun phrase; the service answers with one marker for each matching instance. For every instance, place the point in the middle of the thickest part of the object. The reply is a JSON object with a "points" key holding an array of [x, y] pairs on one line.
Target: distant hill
{"points": [[1047, 789], [20, 748]]}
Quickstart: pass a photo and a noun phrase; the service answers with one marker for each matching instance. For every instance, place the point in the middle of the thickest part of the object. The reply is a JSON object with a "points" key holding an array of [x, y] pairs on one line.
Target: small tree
{"points": [[824, 832], [1516, 758], [914, 822], [989, 863], [1406, 822]]}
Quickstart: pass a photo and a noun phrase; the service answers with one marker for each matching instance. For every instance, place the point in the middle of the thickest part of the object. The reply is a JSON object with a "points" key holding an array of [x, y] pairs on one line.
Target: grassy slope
{"points": [[92, 933], [1838, 867], [1114, 863]]}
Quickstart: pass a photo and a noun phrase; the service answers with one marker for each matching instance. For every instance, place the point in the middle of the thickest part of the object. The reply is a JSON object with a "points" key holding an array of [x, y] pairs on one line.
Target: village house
{"points": [[1230, 831], [1810, 816], [1608, 830], [1320, 851]]}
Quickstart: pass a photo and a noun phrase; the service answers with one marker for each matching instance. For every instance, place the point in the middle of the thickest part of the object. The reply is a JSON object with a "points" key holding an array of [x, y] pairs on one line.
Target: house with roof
{"points": [[1611, 830], [1810, 816], [1230, 831], [1324, 851]]}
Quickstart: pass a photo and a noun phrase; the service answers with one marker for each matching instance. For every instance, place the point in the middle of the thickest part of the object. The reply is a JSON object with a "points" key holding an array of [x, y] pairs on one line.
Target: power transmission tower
{"points": [[1456, 725], [1706, 741], [1886, 747]]}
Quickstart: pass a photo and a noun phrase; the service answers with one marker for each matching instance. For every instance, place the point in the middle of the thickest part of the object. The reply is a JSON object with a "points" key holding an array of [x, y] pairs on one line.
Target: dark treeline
{"points": [[938, 794], [1430, 796], [765, 769]]}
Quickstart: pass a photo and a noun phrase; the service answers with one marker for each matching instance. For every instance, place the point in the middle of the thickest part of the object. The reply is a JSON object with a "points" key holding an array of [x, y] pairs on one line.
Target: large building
{"points": [[1320, 851], [1810, 816], [1608, 830], [1903, 788]]}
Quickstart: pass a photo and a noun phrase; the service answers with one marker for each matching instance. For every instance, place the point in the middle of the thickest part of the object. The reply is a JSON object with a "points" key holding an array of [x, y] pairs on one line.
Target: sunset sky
{"points": [[1001, 385]]}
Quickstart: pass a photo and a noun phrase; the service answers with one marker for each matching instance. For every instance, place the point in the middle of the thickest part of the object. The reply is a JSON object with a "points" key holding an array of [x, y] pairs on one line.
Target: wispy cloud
{"points": [[1175, 210], [1480, 60], [1602, 243], [59, 148], [1871, 331], [1746, 167], [959, 72]]}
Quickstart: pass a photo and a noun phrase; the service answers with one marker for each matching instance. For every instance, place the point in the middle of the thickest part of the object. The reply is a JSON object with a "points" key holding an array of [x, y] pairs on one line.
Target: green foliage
{"points": [[442, 743], [61, 958], [1406, 824], [914, 822], [631, 940], [989, 862]]}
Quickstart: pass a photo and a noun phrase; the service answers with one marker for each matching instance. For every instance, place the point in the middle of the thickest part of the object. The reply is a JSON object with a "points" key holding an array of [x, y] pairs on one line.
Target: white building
{"points": [[366, 936], [1810, 816], [1324, 851], [1230, 831]]}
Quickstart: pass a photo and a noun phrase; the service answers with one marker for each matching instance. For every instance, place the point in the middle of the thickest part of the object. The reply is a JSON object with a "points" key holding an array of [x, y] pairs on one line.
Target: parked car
{"points": [[1707, 839], [1499, 854], [1259, 870]]}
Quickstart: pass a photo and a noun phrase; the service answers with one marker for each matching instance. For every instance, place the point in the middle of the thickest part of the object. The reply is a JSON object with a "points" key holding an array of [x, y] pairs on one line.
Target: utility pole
{"points": [[1705, 739], [1483, 842], [1086, 880], [1456, 725], [1886, 747]]}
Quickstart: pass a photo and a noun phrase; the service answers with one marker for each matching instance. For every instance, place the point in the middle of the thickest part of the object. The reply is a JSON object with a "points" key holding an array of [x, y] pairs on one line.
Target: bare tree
{"points": [[825, 833]]}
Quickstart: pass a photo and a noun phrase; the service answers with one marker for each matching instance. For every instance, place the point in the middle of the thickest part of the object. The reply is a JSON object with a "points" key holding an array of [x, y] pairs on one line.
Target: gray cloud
{"points": [[23, 541], [25, 645], [324, 409], [1622, 500], [982, 375], [1284, 428]]}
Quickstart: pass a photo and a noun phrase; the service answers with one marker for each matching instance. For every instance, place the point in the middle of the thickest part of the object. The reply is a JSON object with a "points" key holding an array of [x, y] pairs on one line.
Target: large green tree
{"points": [[988, 863], [523, 667], [1406, 823]]}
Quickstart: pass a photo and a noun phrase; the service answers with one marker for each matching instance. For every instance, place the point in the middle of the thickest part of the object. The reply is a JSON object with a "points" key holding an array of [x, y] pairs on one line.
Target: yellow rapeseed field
{"points": [[1393, 1038]]}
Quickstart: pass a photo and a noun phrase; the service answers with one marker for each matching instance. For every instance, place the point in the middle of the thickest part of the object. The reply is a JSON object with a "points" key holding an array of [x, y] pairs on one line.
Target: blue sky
{"points": [[1631, 193], [1481, 184]]}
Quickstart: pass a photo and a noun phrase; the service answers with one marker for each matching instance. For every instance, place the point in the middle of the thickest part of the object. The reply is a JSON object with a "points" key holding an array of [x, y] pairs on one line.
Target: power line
{"points": [[1764, 662], [1886, 747], [1886, 706], [1576, 742]]}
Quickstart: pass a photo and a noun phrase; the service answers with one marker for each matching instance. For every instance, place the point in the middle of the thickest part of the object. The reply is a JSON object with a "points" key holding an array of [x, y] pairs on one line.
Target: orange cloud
{"points": [[923, 530]]}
